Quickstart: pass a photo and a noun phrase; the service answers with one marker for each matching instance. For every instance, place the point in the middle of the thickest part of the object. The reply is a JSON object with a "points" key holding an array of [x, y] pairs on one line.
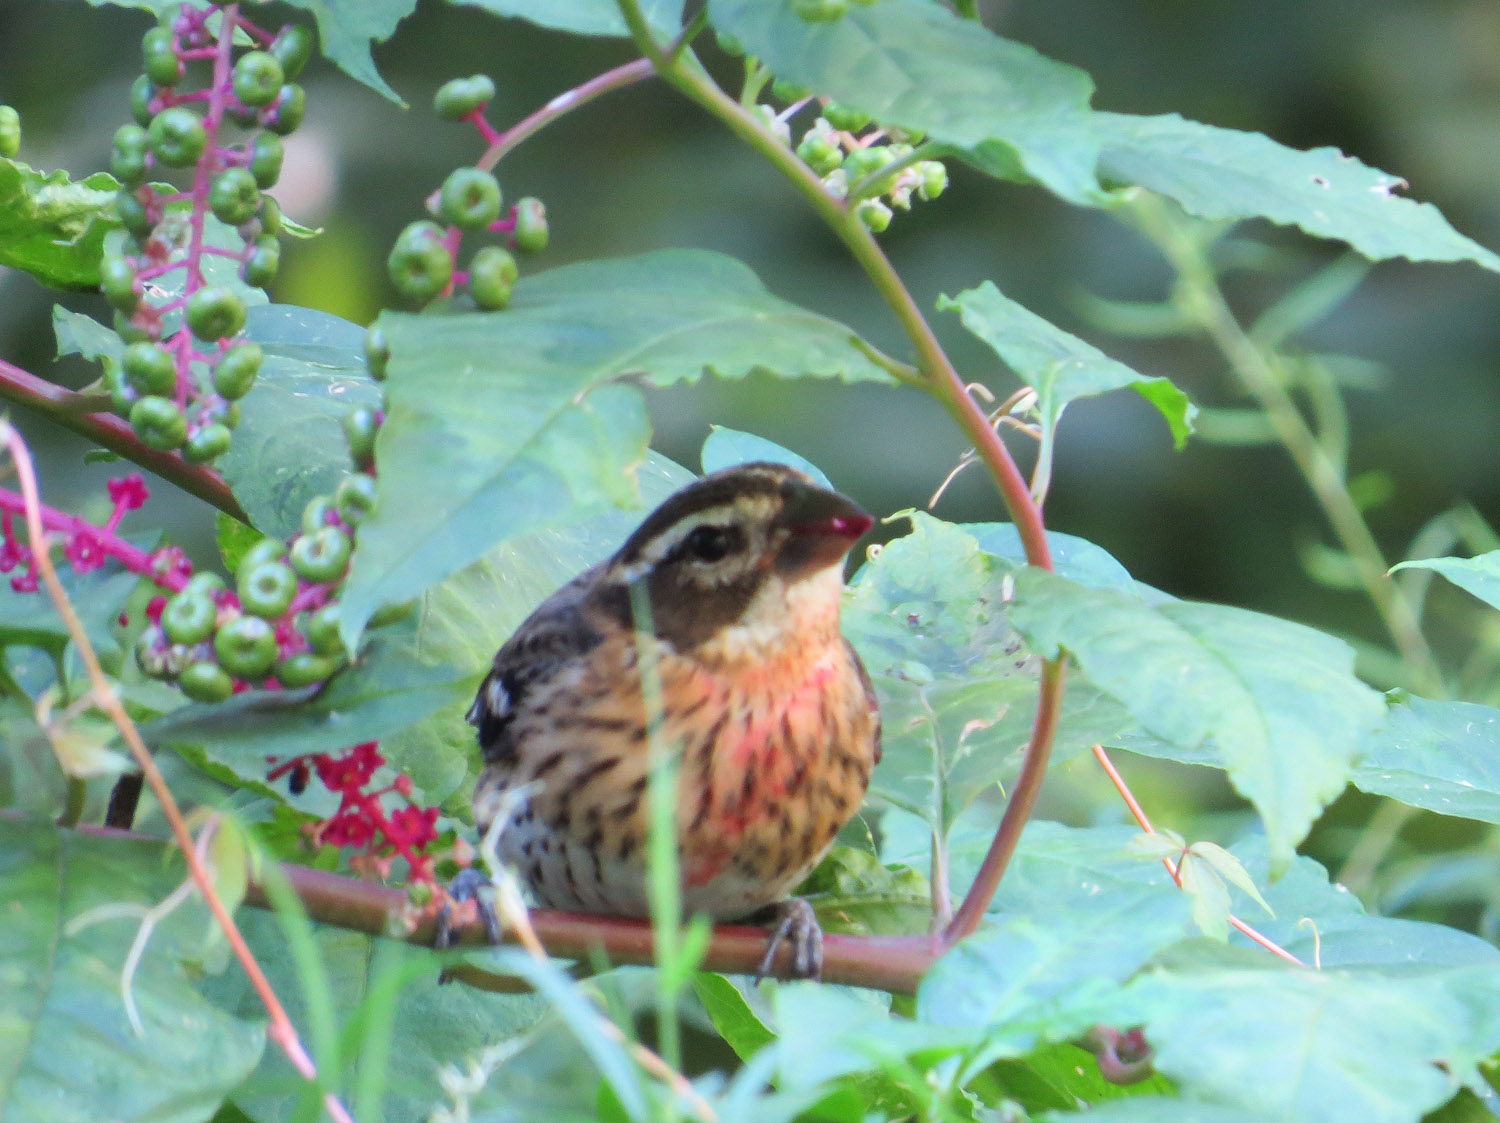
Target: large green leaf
{"points": [[1478, 575], [1059, 366], [1278, 701], [52, 227], [725, 448], [289, 445], [98, 595], [1225, 174], [957, 684], [502, 423], [1443, 756], [586, 17], [1161, 1109], [1373, 1046], [67, 1050], [917, 65], [348, 28]]}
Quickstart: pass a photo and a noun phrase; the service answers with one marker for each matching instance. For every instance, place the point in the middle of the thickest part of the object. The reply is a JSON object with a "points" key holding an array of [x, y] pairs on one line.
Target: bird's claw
{"points": [[797, 925], [468, 885]]}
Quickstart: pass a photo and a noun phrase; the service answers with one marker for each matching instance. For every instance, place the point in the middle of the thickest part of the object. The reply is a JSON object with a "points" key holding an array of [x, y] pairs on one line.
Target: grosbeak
{"points": [[766, 705]]}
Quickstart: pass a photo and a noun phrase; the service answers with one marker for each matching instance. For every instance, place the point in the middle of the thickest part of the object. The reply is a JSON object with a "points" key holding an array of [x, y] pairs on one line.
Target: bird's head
{"points": [[751, 555]]}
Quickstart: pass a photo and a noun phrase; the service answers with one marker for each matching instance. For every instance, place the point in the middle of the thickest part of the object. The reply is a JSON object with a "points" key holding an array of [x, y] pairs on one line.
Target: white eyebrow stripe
{"points": [[669, 539]]}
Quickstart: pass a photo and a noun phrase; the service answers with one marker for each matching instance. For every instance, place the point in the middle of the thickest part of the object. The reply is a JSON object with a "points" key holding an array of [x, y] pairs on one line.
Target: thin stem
{"points": [[564, 103], [108, 431], [940, 379], [281, 1030]]}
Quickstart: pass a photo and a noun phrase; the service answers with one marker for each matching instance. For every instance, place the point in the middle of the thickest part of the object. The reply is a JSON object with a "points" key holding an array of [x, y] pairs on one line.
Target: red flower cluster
{"points": [[361, 821]]}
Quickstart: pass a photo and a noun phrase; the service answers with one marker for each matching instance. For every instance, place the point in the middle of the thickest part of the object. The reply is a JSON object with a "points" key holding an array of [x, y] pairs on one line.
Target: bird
{"points": [[766, 706]]}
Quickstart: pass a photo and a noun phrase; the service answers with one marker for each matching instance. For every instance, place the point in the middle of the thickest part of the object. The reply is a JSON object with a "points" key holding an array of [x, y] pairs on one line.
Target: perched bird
{"points": [[767, 706]]}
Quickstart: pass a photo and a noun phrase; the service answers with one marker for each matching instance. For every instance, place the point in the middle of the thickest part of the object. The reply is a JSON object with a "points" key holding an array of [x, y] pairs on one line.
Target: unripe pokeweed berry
{"points": [[471, 198], [420, 264], [531, 225], [176, 136], [205, 681], [863, 162], [322, 630], [10, 131], [306, 669], [845, 119], [150, 369], [263, 262], [189, 617], [293, 47], [266, 550], [159, 423], [127, 157], [122, 395], [132, 213], [934, 179], [322, 556], [257, 78], [234, 196], [215, 312], [874, 214], [151, 652], [377, 352], [269, 215], [205, 581], [207, 444], [360, 426], [286, 112], [142, 91], [162, 65], [266, 156], [820, 152], [492, 277], [117, 279], [820, 11], [355, 497], [246, 647], [457, 98], [235, 373], [266, 589], [315, 516]]}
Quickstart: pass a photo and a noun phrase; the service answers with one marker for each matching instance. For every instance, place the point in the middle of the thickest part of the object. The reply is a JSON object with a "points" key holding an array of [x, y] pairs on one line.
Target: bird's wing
{"points": [[864, 679]]}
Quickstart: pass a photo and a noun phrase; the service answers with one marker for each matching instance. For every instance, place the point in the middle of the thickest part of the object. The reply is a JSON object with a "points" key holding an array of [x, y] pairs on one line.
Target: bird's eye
{"points": [[710, 543]]}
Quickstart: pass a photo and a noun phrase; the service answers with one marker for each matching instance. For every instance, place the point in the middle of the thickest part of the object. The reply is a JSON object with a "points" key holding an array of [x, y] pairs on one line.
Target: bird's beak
{"points": [[821, 526]]}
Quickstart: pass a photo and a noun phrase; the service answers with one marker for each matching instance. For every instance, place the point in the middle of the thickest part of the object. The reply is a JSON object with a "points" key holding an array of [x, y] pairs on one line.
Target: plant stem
{"points": [[940, 379], [104, 429]]}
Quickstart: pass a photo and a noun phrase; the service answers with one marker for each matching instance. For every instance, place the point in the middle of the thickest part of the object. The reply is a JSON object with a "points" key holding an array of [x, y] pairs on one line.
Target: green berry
{"points": [[151, 652], [492, 277], [266, 550], [286, 112], [151, 370], [266, 589], [159, 423], [315, 514], [189, 617], [207, 444], [269, 215], [235, 372], [471, 198], [355, 497], [215, 313], [132, 213], [205, 681], [205, 581], [261, 266], [293, 47], [117, 279], [322, 630], [820, 11], [177, 137], [531, 225], [306, 669], [934, 179], [863, 162], [10, 131], [845, 120], [163, 66], [234, 196], [420, 264], [323, 556], [266, 155], [142, 91], [874, 214], [820, 152], [456, 99], [246, 647], [360, 426], [257, 78], [127, 158], [377, 352], [122, 395]]}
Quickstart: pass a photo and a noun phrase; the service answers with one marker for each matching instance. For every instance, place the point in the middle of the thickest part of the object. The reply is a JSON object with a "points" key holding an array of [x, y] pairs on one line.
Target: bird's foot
{"points": [[795, 923], [469, 885]]}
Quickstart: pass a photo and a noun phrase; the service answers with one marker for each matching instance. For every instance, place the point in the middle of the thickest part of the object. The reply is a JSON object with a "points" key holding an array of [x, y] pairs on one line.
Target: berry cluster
{"points": [[362, 822], [179, 385], [423, 263]]}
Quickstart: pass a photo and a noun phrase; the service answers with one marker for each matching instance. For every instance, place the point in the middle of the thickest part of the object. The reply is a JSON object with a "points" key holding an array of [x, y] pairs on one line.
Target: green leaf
{"points": [[1278, 701], [502, 423], [1230, 868], [739, 1025], [1209, 896], [1225, 174], [1059, 366], [727, 447], [53, 227], [1243, 1029], [1478, 575], [98, 596], [586, 17], [1161, 1109], [853, 892], [30, 778], [289, 445], [1013, 112], [67, 1051], [348, 28], [957, 685], [1442, 756], [78, 334], [1075, 558]]}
